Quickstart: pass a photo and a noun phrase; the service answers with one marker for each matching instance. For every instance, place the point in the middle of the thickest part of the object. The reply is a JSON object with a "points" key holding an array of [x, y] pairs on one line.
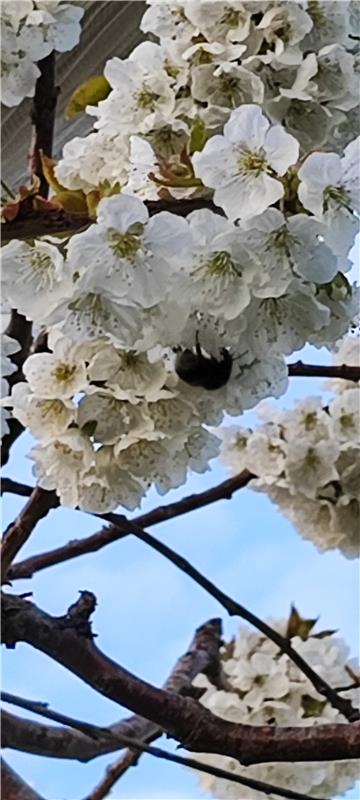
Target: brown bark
{"points": [[17, 533], [90, 544], [61, 742], [181, 717], [13, 787]]}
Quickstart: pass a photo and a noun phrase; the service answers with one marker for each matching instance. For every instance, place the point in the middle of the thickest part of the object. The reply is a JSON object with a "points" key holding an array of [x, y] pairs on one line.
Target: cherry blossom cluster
{"points": [[9, 347], [297, 60], [30, 31], [264, 687], [307, 460], [259, 271]]}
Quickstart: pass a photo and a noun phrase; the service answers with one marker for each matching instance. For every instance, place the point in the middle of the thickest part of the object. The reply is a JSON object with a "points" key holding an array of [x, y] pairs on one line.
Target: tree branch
{"points": [[55, 221], [13, 787], [90, 544], [96, 732], [233, 608], [45, 740], [18, 532], [182, 717], [43, 119], [344, 371]]}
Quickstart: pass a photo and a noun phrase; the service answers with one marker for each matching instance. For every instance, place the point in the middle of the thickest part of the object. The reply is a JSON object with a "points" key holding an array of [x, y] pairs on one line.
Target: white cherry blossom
{"points": [[45, 418], [60, 463], [167, 20], [263, 687], [289, 248], [128, 255], [55, 376], [35, 277], [9, 347], [222, 268], [238, 164], [284, 26], [89, 161], [138, 98]]}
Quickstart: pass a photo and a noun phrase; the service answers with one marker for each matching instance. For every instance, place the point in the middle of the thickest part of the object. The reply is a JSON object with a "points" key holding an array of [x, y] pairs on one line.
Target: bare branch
{"points": [[13, 787], [43, 119], [96, 732], [344, 371], [181, 717], [18, 532], [233, 608], [201, 656], [56, 221], [90, 544]]}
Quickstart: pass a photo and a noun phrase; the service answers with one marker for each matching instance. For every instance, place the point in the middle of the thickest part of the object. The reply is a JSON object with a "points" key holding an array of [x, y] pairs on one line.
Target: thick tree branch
{"points": [[90, 544], [13, 787], [233, 608], [38, 223], [43, 119], [18, 532], [182, 717], [45, 740], [96, 732]]}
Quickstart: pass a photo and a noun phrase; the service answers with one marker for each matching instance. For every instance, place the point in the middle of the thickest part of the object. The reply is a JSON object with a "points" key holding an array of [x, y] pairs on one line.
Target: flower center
{"points": [[312, 460], [40, 262], [125, 245], [310, 420], [231, 17], [171, 69], [346, 422], [220, 264], [252, 162], [201, 56], [231, 88], [91, 306], [64, 372], [146, 99], [317, 14], [51, 407], [337, 195]]}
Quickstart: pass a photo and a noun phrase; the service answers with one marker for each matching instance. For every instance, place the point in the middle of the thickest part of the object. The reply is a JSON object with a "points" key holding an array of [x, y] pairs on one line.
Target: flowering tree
{"points": [[189, 245]]}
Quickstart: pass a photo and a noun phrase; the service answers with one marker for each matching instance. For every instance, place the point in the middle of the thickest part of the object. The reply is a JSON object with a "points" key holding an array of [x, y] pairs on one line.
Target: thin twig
{"points": [[236, 609], [96, 732]]}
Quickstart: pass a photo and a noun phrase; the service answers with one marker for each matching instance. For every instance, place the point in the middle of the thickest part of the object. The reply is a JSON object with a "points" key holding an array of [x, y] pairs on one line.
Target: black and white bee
{"points": [[198, 369]]}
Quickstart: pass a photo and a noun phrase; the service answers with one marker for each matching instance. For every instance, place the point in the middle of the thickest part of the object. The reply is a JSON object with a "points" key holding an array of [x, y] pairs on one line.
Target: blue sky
{"points": [[147, 610]]}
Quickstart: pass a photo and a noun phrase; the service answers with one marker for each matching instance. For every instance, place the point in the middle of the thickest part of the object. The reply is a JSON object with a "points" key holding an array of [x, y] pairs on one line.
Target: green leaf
{"points": [[298, 626], [88, 93], [198, 135]]}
